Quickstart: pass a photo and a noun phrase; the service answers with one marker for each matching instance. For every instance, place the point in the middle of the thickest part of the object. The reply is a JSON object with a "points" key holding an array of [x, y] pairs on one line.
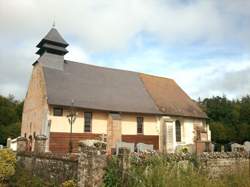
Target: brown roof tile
{"points": [[170, 98]]}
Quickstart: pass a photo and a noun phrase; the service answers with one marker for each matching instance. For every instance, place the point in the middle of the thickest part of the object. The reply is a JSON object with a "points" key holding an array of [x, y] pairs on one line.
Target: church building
{"points": [[108, 104]]}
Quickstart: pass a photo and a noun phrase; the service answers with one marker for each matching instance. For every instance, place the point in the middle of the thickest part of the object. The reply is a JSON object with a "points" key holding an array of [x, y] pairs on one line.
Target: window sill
{"points": [[140, 134]]}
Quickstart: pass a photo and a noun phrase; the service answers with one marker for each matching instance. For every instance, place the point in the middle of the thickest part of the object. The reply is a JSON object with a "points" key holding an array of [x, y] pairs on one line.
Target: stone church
{"points": [[108, 104]]}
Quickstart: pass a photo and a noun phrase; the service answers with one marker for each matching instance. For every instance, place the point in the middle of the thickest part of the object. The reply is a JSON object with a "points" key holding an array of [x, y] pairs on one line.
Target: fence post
{"points": [[124, 164], [40, 144], [91, 163], [21, 144]]}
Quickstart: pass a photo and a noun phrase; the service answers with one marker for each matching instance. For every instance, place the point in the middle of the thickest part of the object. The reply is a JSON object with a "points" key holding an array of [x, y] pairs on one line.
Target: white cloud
{"points": [[76, 54], [110, 26]]}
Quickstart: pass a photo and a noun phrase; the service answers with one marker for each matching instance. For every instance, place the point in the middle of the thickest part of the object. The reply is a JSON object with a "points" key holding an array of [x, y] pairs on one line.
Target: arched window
{"points": [[178, 130]]}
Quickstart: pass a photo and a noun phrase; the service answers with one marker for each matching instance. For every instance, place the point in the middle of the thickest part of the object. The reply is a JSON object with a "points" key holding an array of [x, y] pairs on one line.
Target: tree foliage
{"points": [[10, 118], [229, 119], [7, 164]]}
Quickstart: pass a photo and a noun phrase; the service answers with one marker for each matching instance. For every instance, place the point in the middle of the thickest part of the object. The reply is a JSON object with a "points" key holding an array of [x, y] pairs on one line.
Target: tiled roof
{"points": [[100, 88]]}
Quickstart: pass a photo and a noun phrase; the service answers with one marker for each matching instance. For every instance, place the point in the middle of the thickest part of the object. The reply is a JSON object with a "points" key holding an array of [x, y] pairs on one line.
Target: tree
{"points": [[229, 119], [10, 118]]}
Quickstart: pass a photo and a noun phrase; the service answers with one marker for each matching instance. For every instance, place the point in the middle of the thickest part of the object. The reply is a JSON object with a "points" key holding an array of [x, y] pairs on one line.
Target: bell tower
{"points": [[52, 49]]}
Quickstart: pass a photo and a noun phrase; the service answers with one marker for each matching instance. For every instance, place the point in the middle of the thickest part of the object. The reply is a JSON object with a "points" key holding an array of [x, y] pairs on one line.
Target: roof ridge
{"points": [[116, 69]]}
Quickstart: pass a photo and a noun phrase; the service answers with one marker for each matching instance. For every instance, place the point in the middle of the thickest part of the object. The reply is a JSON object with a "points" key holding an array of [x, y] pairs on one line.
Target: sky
{"points": [[204, 45]]}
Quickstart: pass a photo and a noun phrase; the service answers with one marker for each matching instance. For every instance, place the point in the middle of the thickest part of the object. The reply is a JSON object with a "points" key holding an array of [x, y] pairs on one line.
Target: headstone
{"points": [[212, 147], [235, 147], [141, 147], [247, 146], [21, 144], [9, 143], [222, 148], [130, 146]]}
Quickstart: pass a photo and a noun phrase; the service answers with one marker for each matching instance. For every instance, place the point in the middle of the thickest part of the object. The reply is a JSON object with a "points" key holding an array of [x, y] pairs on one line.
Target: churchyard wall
{"points": [[88, 165]]}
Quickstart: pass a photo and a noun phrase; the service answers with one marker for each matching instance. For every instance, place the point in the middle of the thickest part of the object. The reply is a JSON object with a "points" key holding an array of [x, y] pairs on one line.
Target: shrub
{"points": [[69, 183], [112, 175], [7, 164]]}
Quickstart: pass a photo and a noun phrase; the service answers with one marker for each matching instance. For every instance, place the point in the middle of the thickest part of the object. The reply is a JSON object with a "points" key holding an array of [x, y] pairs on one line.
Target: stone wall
{"points": [[91, 163], [50, 167], [214, 163], [88, 166], [218, 163]]}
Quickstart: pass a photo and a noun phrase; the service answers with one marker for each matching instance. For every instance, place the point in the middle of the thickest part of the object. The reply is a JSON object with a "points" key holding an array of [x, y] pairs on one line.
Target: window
{"points": [[178, 131], [87, 121], [57, 111], [139, 125]]}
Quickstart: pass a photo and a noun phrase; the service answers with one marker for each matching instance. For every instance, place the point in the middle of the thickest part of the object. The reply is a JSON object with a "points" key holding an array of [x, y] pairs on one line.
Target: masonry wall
{"points": [[89, 166], [50, 167], [35, 108]]}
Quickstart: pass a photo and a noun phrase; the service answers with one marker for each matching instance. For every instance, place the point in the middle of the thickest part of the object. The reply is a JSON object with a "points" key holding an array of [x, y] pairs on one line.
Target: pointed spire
{"points": [[53, 42]]}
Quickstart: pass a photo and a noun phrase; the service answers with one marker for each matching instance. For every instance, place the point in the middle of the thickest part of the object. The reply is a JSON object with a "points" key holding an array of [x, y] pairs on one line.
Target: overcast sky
{"points": [[204, 45]]}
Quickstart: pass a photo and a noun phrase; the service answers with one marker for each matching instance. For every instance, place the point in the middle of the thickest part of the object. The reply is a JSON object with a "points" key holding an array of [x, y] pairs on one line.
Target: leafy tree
{"points": [[245, 110], [229, 119], [10, 118]]}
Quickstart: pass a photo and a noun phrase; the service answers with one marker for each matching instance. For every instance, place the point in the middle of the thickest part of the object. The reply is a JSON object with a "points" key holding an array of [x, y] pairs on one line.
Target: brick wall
{"points": [[59, 141]]}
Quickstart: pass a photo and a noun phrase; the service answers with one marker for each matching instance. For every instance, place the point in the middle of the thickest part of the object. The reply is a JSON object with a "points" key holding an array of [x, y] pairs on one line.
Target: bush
{"points": [[7, 164], [69, 183], [112, 175]]}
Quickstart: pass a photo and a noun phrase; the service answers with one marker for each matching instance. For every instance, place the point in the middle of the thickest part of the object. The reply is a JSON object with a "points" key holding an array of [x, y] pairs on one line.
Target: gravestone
{"points": [[130, 146], [235, 147], [8, 143], [141, 147], [247, 146], [212, 147]]}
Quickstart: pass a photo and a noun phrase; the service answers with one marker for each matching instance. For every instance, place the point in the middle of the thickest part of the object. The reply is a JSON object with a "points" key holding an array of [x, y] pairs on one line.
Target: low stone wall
{"points": [[218, 163], [88, 166], [50, 167], [214, 163]]}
